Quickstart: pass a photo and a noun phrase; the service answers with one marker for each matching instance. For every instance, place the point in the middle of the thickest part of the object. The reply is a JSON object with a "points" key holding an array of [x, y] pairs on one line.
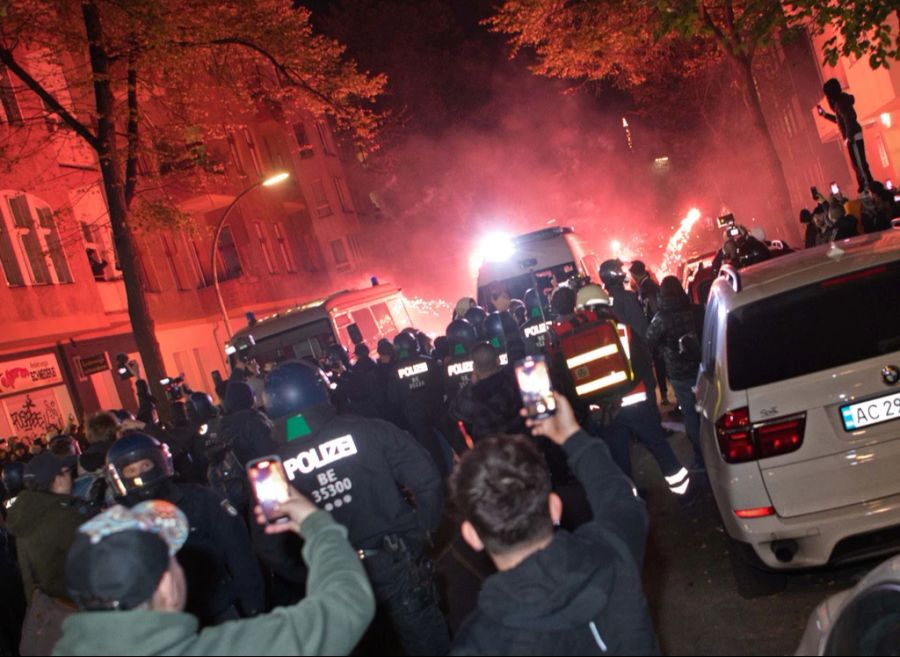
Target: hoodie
{"points": [[844, 115], [582, 594], [338, 607], [44, 525]]}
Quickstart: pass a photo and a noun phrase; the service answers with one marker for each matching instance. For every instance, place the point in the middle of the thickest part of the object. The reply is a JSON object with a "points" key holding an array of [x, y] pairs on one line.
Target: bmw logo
{"points": [[891, 375]]}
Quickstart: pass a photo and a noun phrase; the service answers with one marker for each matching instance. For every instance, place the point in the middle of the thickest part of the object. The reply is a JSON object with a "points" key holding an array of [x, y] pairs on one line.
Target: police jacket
{"points": [[536, 335], [359, 390], [354, 469], [218, 559], [417, 388], [249, 432], [458, 374], [677, 319]]}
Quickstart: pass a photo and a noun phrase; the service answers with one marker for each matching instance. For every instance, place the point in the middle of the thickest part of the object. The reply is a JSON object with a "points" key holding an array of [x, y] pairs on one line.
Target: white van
{"points": [[538, 259], [307, 330]]}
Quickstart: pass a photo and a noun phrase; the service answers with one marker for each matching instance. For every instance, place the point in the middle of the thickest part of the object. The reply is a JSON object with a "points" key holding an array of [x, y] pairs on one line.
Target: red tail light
{"points": [[735, 440], [740, 442], [781, 436], [760, 512]]}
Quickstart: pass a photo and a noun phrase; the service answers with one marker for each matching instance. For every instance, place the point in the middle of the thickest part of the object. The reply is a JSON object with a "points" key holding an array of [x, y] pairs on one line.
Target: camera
{"points": [[726, 220], [734, 232], [174, 388]]}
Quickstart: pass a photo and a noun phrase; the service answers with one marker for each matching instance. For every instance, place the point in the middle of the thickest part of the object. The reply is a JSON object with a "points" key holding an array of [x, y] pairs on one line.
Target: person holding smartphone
{"points": [[555, 592], [842, 104], [131, 590]]}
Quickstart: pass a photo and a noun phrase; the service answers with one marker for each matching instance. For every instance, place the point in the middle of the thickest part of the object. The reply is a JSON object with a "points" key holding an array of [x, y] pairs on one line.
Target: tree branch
{"points": [[280, 66], [6, 56], [716, 30]]}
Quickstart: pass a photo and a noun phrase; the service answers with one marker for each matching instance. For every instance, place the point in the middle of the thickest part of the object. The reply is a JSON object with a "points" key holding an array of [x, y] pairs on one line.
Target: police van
{"points": [[347, 318], [540, 260]]}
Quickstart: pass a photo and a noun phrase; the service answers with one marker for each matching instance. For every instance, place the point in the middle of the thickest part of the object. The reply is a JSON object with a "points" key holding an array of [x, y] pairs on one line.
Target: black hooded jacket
{"points": [[490, 407], [582, 594], [844, 115], [676, 319], [250, 434]]}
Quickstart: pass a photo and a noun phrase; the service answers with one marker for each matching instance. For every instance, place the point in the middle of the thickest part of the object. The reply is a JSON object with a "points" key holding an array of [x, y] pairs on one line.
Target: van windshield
{"points": [[818, 327], [547, 281]]}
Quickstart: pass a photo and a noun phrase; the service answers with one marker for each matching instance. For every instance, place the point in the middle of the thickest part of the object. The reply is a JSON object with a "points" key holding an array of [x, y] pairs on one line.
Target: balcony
{"points": [[112, 296]]}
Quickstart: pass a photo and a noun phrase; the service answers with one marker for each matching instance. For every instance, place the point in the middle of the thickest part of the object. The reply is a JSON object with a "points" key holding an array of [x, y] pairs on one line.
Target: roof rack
{"points": [[730, 274]]}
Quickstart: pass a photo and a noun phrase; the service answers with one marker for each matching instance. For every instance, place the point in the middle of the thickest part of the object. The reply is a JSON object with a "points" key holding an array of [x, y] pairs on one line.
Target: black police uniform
{"points": [[536, 330], [224, 580], [459, 366], [354, 469], [417, 388]]}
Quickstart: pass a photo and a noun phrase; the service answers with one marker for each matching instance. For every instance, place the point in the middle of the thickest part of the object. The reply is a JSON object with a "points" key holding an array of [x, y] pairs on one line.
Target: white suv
{"points": [[799, 393]]}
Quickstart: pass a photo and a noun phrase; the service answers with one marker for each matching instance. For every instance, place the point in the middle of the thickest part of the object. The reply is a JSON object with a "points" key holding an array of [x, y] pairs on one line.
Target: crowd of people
{"points": [[133, 534]]}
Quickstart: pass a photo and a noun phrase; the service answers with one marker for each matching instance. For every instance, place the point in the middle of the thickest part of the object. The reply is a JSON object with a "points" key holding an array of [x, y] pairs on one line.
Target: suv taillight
{"points": [[739, 441]]}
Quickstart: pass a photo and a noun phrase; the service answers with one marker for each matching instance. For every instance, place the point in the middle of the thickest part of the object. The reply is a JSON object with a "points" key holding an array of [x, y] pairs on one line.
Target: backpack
{"points": [[595, 358]]}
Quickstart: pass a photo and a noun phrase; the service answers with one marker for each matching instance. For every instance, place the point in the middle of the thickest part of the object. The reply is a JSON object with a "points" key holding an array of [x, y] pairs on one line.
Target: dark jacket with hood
{"points": [[250, 433], [491, 406], [677, 318], [44, 525], [844, 115], [582, 594]]}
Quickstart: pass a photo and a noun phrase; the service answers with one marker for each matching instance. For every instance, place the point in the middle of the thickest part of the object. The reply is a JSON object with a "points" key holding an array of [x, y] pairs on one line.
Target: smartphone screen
{"points": [[270, 485], [534, 384], [835, 190]]}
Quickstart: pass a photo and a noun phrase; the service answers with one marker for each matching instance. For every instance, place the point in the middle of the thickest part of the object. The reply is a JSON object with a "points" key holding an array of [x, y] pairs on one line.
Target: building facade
{"points": [[66, 314]]}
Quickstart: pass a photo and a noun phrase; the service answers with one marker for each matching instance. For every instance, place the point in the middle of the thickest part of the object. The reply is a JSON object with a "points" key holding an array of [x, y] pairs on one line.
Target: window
{"points": [[340, 254], [773, 322], [254, 155], [264, 246], [236, 155], [383, 319], [306, 149], [710, 337], [314, 259], [196, 263], [170, 250], [341, 188], [355, 247], [229, 259], [323, 207], [28, 245], [8, 98], [322, 129], [285, 250]]}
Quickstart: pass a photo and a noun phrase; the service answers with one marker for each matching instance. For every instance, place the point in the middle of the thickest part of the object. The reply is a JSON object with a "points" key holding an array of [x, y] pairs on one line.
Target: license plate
{"points": [[874, 411]]}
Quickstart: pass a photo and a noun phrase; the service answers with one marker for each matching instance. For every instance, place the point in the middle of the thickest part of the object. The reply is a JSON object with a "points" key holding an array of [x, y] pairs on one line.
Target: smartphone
{"points": [[815, 193], [820, 110], [270, 485], [726, 220], [835, 190], [535, 386]]}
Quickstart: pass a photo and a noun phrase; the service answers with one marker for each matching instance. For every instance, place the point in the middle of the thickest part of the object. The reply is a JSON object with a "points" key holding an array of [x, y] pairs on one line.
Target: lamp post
{"points": [[267, 182]]}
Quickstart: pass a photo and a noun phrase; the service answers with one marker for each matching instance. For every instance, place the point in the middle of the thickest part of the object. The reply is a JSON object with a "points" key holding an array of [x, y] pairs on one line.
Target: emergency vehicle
{"points": [[347, 318]]}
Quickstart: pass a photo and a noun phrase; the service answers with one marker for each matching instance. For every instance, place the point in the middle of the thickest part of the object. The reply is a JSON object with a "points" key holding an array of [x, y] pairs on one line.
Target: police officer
{"points": [[502, 331], [223, 576], [476, 316], [459, 366], [354, 469], [639, 414], [417, 388], [536, 330], [518, 310]]}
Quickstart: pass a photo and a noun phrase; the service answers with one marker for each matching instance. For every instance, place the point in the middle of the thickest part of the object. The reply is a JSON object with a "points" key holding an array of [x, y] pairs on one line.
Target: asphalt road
{"points": [[689, 580]]}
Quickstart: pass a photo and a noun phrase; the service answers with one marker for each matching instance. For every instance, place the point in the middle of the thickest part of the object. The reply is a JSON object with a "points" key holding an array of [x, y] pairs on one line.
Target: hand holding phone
{"points": [[270, 487], [835, 190], [535, 387], [561, 426], [294, 512]]}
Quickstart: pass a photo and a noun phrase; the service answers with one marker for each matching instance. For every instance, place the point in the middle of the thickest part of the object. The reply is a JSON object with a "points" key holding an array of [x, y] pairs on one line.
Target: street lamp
{"points": [[271, 181]]}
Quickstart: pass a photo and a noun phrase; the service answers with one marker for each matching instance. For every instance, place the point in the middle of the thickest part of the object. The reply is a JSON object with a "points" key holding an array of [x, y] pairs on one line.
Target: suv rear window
{"points": [[818, 327]]}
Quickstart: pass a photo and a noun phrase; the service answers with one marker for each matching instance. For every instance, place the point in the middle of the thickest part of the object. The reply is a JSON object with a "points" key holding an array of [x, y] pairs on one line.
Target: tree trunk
{"points": [[142, 324], [780, 191]]}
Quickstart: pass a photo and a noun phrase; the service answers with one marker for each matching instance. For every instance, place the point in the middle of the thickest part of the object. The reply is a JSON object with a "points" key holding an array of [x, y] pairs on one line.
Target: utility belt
{"points": [[395, 546], [402, 573]]}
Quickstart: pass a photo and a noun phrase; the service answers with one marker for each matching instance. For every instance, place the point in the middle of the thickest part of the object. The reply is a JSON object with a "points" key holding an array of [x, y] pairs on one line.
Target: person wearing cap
{"points": [[225, 578], [125, 578], [44, 519]]}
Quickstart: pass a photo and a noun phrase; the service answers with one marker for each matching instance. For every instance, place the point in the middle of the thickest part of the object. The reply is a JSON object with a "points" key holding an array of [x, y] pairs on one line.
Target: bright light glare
{"points": [[497, 248], [616, 246], [672, 258], [886, 120], [693, 215], [278, 178]]}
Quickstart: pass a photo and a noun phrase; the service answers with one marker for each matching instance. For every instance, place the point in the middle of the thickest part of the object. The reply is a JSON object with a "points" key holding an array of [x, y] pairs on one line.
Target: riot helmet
{"points": [[407, 344], [534, 305], [293, 387], [150, 461], [462, 336], [518, 310], [476, 316], [200, 408], [612, 274], [14, 478]]}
